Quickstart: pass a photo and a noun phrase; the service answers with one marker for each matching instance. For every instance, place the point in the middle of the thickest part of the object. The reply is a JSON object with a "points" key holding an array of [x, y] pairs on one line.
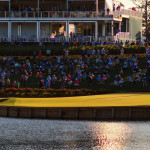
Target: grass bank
{"points": [[109, 100]]}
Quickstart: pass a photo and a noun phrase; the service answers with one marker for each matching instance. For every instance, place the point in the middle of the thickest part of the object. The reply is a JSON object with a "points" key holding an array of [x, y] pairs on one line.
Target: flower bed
{"points": [[35, 92]]}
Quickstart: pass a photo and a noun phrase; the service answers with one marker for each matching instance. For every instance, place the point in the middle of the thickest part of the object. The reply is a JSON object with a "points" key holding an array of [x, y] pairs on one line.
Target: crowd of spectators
{"points": [[93, 67], [109, 42]]}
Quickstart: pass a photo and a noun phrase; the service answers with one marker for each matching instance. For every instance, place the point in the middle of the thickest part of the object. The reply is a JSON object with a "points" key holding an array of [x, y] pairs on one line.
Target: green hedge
{"points": [[28, 49]]}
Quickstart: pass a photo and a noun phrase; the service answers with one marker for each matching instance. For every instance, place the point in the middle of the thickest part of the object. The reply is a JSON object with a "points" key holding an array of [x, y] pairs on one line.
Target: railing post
{"points": [[103, 29], [120, 26], [67, 5], [67, 31], [96, 6], [38, 7], [96, 31], [38, 31], [70, 14], [9, 31], [112, 28], [9, 6]]}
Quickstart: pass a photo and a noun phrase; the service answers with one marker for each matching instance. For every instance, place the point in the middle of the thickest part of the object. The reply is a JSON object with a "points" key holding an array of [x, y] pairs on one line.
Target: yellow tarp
{"points": [[81, 101]]}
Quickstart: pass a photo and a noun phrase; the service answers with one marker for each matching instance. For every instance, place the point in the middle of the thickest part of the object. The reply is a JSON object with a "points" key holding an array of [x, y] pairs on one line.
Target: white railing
{"points": [[24, 39], [18, 39], [53, 14], [105, 38], [55, 39], [3, 39], [119, 13], [70, 14], [123, 35]]}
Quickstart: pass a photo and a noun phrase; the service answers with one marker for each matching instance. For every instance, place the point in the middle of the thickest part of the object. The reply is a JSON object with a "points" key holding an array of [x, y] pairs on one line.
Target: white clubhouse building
{"points": [[66, 20]]}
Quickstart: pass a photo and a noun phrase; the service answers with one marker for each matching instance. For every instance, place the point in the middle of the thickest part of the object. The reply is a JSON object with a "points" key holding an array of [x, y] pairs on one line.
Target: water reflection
{"points": [[111, 136], [18, 134]]}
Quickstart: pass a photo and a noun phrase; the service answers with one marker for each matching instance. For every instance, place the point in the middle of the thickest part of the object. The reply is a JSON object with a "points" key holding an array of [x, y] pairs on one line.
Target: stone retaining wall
{"points": [[103, 113]]}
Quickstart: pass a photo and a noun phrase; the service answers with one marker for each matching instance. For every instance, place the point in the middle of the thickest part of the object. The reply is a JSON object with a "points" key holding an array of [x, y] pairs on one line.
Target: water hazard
{"points": [[24, 134]]}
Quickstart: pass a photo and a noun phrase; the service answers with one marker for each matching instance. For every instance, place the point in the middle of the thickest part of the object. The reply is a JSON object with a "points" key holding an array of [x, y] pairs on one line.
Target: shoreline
{"points": [[141, 113], [119, 107]]}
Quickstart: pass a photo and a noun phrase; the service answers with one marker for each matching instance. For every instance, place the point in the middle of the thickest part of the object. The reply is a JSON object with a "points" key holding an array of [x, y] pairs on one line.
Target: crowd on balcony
{"points": [[102, 42], [82, 8], [116, 8], [71, 7]]}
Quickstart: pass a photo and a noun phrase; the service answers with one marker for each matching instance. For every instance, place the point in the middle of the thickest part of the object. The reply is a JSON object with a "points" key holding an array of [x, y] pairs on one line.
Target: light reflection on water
{"points": [[22, 134]]}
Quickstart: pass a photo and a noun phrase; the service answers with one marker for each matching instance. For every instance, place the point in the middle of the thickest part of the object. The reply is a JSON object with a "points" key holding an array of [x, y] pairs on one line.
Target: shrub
{"points": [[28, 49]]}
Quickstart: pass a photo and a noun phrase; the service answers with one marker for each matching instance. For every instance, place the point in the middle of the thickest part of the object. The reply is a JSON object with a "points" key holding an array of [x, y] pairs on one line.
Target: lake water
{"points": [[25, 134]]}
